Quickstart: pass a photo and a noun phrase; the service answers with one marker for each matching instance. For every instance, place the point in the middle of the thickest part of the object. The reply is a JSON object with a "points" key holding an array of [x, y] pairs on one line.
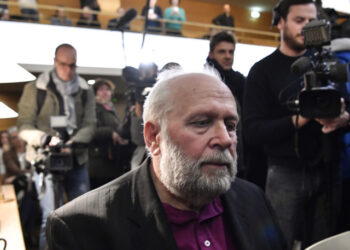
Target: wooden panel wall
{"points": [[10, 99], [196, 11], [204, 12]]}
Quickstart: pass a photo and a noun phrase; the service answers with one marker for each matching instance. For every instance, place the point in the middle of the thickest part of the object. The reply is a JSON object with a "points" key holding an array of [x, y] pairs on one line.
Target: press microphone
{"points": [[301, 65], [126, 19]]}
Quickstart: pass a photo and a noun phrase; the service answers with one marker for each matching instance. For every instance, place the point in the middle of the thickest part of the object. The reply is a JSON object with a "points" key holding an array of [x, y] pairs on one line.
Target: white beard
{"points": [[182, 176]]}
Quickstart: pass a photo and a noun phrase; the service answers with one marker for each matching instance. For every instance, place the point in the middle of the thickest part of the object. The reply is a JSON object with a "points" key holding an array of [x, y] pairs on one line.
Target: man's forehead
{"points": [[196, 85], [195, 81], [303, 9], [66, 52], [224, 44]]}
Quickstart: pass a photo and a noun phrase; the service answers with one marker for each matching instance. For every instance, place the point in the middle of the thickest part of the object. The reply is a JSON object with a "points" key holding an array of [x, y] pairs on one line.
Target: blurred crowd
{"points": [[90, 12]]}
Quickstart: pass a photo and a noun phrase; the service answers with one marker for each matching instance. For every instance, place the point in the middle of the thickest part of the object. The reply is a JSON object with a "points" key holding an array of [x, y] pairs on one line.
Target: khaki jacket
{"points": [[32, 125]]}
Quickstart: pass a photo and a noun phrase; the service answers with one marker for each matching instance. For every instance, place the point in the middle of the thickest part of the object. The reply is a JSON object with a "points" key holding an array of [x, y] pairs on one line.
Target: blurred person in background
{"points": [[226, 18], [175, 13], [105, 159], [14, 158], [29, 11], [18, 174], [221, 57], [87, 19], [93, 5], [153, 12], [61, 17], [149, 72], [4, 146], [112, 24], [4, 12]]}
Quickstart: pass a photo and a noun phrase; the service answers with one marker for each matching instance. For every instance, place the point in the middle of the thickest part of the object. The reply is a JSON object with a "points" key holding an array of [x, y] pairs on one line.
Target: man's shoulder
{"points": [[240, 184], [83, 83], [266, 63], [246, 192], [267, 59], [238, 75], [116, 194]]}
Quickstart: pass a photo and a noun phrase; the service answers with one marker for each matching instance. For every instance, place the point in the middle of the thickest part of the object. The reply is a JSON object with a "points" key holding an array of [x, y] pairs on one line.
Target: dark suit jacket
{"points": [[127, 214]]}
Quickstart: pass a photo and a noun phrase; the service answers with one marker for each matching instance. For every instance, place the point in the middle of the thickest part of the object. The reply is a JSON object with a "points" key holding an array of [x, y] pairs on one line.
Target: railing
{"points": [[189, 29]]}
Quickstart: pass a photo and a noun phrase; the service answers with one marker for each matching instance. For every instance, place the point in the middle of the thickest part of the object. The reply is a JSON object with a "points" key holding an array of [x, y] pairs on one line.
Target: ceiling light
{"points": [[91, 82], [6, 111], [255, 14]]}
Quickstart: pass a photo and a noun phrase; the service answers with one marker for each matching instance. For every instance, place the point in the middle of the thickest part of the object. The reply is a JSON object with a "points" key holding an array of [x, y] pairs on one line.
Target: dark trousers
{"points": [[30, 14], [306, 201], [344, 217]]}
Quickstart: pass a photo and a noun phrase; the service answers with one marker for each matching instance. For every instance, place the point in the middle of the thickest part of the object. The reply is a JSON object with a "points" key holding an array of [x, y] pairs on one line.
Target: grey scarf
{"points": [[67, 91]]}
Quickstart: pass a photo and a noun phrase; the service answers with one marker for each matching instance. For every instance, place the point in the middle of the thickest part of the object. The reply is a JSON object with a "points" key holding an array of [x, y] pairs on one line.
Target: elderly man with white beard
{"points": [[185, 195]]}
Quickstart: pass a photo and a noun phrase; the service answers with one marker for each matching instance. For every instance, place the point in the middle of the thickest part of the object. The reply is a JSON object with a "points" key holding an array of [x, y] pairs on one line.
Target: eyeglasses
{"points": [[63, 64]]}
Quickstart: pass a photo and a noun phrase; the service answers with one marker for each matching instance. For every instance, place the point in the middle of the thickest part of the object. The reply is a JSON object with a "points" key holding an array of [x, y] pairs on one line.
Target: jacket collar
{"points": [[236, 219], [44, 79], [147, 213]]}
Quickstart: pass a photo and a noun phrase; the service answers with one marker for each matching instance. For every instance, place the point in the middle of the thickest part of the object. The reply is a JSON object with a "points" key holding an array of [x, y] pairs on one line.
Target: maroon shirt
{"points": [[204, 230]]}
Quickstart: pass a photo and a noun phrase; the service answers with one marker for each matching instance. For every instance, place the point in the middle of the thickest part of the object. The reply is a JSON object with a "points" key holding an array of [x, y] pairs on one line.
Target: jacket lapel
{"points": [[152, 231], [235, 220]]}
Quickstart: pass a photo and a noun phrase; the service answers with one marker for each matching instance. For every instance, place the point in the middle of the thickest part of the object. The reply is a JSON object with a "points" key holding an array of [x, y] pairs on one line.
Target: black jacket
{"points": [[104, 156], [127, 214]]}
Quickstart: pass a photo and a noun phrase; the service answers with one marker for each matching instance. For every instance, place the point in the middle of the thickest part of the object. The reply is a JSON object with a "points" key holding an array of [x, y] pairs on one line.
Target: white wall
{"points": [[33, 46]]}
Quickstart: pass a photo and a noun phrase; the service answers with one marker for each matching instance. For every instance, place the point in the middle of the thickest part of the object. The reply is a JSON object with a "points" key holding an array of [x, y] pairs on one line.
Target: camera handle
{"points": [[39, 167]]}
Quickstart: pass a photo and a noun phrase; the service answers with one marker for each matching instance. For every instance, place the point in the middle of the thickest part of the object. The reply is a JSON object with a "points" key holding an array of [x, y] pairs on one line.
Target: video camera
{"points": [[139, 81], [322, 73], [52, 159]]}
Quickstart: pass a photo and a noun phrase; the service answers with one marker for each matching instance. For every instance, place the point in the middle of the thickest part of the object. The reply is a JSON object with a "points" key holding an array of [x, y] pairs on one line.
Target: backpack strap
{"points": [[84, 97], [40, 98]]}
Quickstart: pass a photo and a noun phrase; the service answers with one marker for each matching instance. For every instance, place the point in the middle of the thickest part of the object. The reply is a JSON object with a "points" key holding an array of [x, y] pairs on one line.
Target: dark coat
{"points": [[104, 156], [127, 214]]}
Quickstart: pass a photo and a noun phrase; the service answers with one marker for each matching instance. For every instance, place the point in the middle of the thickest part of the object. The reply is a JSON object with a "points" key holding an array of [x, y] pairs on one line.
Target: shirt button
{"points": [[207, 243]]}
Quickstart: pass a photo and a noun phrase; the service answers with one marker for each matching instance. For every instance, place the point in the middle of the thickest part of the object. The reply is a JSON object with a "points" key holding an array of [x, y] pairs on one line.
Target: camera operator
{"points": [[140, 81], [59, 92], [106, 147], [303, 153]]}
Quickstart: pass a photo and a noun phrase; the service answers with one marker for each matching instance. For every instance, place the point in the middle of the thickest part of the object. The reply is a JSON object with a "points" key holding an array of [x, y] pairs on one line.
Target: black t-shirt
{"points": [[233, 79], [224, 20]]}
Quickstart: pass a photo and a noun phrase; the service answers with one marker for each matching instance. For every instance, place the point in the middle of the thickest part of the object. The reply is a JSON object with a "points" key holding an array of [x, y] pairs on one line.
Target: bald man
{"points": [[226, 18], [185, 196], [58, 92]]}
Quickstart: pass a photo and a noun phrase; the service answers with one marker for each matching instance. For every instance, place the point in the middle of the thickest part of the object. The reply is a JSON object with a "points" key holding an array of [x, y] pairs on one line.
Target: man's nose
{"points": [[228, 55], [222, 137]]}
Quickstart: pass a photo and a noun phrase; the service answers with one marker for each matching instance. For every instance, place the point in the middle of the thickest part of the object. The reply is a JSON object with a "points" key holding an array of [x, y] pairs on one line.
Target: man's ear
{"points": [[152, 137], [281, 23], [211, 55]]}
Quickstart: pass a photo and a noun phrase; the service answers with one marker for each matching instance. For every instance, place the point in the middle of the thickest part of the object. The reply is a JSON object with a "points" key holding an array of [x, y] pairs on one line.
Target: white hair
{"points": [[159, 102]]}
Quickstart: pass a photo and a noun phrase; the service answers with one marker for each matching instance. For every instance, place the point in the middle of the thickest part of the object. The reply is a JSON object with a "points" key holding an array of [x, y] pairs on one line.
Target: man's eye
{"points": [[201, 123], [300, 20], [231, 127]]}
